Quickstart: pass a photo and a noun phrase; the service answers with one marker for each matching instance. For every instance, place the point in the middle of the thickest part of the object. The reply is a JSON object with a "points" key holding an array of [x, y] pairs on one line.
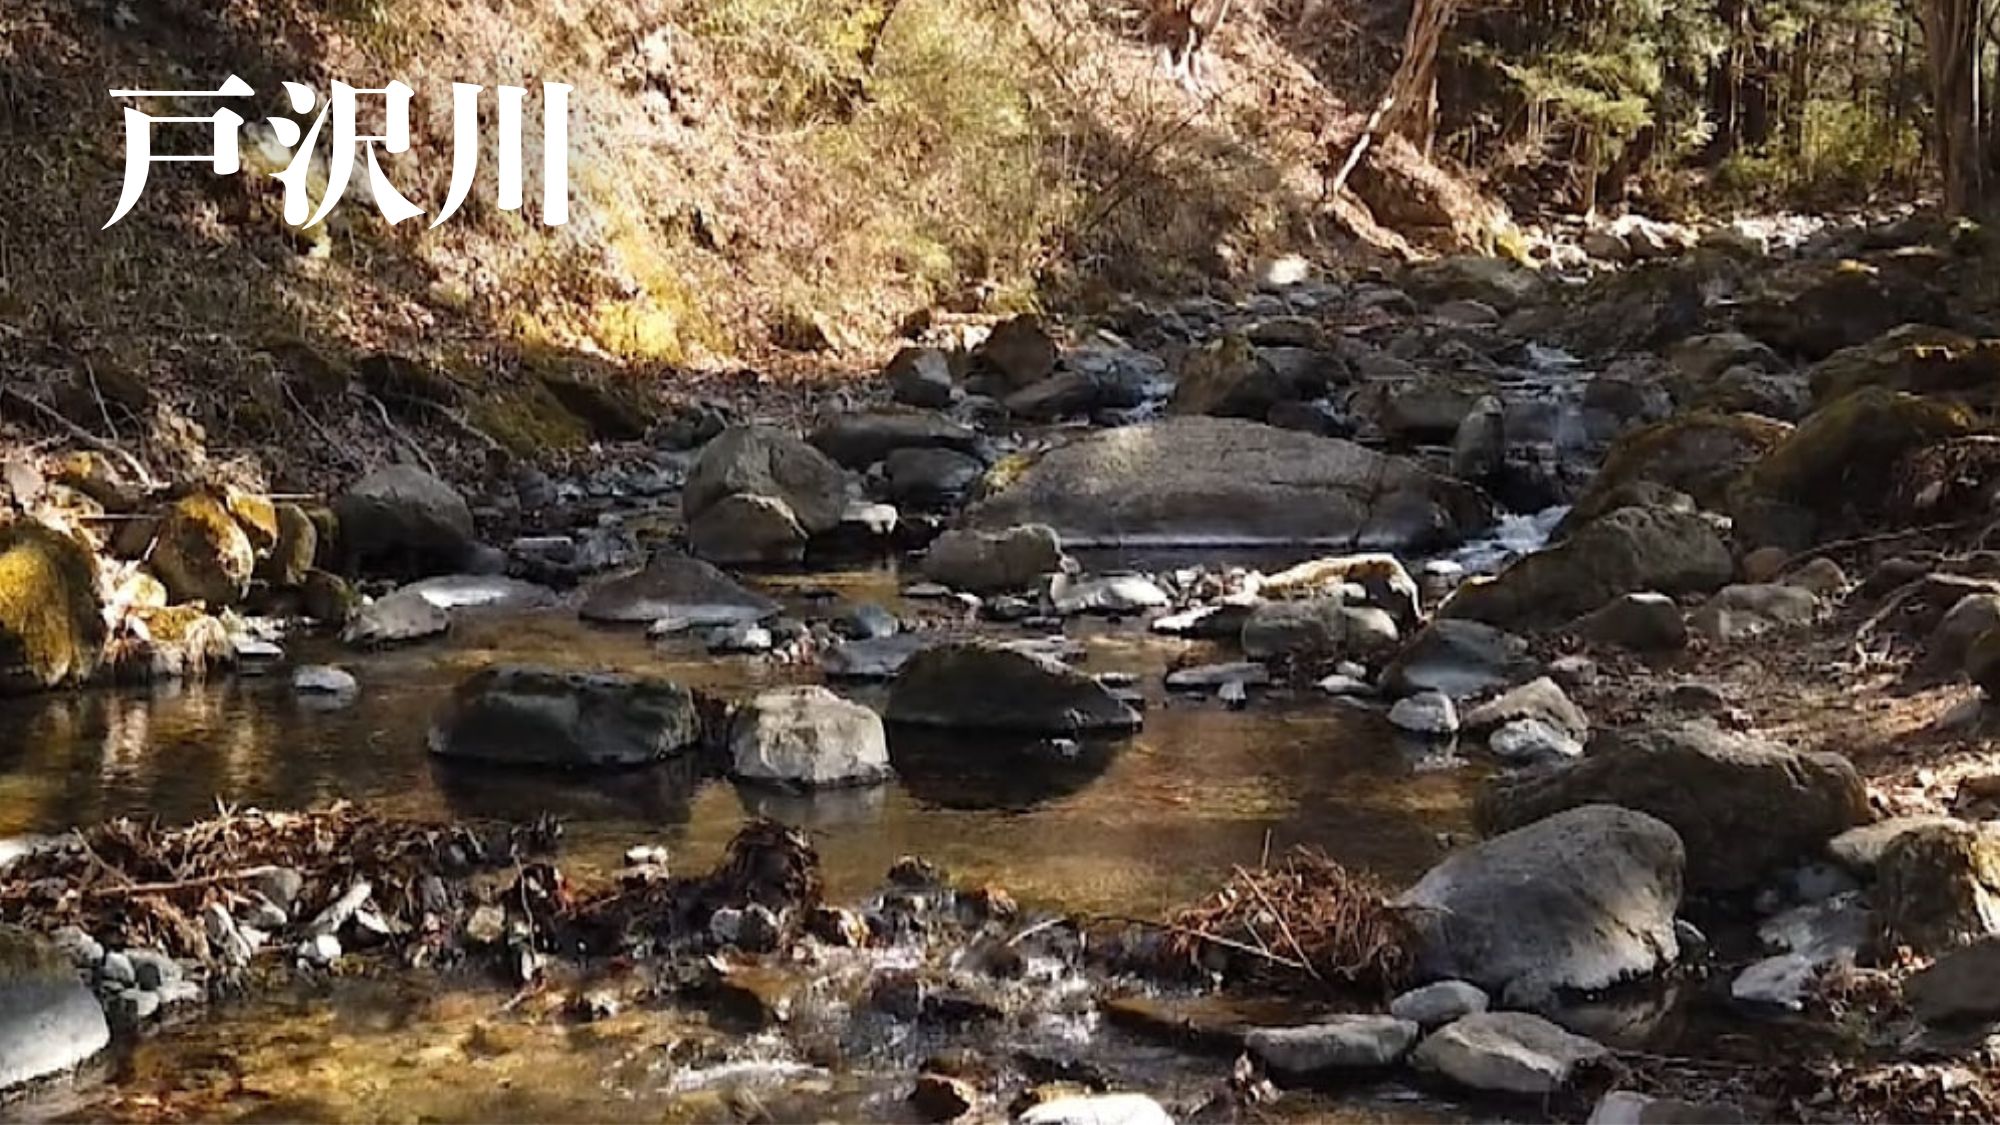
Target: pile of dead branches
{"points": [[1302, 924], [137, 883]]}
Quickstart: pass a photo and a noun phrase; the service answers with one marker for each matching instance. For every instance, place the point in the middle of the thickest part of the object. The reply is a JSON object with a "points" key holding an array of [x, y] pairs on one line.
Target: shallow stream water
{"points": [[1130, 828]]}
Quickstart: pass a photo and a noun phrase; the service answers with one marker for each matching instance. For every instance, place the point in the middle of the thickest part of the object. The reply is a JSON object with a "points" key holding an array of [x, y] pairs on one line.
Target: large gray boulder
{"points": [[520, 715], [985, 562], [681, 592], [1202, 481], [1628, 551], [860, 440], [1319, 629], [1743, 806], [1507, 1053], [978, 685], [1581, 900], [763, 461], [49, 1022], [405, 519], [809, 738]]}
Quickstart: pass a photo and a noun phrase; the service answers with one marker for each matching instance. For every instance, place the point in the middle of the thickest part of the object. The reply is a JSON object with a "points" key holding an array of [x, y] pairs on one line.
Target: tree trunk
{"points": [[1412, 97], [1952, 40]]}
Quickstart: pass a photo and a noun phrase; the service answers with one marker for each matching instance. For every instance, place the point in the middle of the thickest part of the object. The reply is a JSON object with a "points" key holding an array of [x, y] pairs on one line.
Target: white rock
{"points": [[1532, 740], [1427, 713], [1206, 676], [808, 737], [1506, 1052], [1101, 1109], [1776, 982], [324, 679], [1435, 1005]]}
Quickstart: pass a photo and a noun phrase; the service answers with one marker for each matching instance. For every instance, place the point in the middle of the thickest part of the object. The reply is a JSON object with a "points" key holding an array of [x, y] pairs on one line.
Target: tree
{"points": [[1953, 39]]}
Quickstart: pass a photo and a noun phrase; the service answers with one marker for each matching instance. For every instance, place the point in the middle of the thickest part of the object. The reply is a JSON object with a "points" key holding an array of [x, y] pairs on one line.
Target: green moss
{"points": [[1919, 358], [202, 553], [257, 516], [296, 549], [51, 627], [529, 421], [1700, 454], [1842, 456]]}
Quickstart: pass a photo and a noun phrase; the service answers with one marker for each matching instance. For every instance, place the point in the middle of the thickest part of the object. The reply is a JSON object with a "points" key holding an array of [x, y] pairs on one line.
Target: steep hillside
{"points": [[773, 184]]}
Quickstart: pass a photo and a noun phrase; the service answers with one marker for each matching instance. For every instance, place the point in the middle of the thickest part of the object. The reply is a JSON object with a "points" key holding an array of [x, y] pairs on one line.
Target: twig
{"points": [[397, 431], [1039, 927], [103, 411], [146, 479], [1875, 540], [1212, 939], [179, 884], [1283, 927]]}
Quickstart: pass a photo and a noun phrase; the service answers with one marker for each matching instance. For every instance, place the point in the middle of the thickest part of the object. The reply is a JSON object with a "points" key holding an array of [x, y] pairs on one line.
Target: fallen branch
{"points": [[146, 479], [176, 885]]}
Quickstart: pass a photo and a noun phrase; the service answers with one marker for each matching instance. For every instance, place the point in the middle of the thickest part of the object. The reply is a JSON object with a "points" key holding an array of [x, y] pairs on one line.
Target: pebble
{"points": [[324, 679], [83, 951], [1435, 1005], [1532, 740], [321, 950], [1234, 695], [116, 968], [1343, 685], [132, 1007]]}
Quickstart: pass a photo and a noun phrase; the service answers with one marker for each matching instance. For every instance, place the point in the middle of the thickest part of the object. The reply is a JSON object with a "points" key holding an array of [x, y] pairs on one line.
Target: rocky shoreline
{"points": [[1733, 706]]}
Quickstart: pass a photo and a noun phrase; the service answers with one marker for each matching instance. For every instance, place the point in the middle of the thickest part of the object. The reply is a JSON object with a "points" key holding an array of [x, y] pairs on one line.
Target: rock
{"points": [[396, 618], [866, 622], [977, 685], [1702, 358], [1938, 888], [1115, 594], [940, 1098], [1842, 458], [1861, 849], [1700, 454], [324, 679], [1204, 481], [1203, 677], [1822, 576], [1579, 901], [521, 715], [152, 969], [1539, 700], [810, 738], [744, 529], [49, 1022], [740, 638], [1626, 1107], [1460, 659], [763, 461], [681, 592], [1228, 378], [1430, 409], [116, 969], [1738, 613], [860, 440], [1494, 281], [1743, 806], [931, 478], [1643, 622], [1533, 740], [1435, 1005], [983, 562], [202, 553], [1918, 358], [1815, 307], [1098, 1109], [1962, 986], [406, 520], [132, 1007], [1338, 1043], [1427, 713], [327, 598], [295, 551], [1479, 447], [1629, 551], [1779, 982], [51, 624], [482, 591], [1507, 1052], [1605, 245], [879, 658], [1972, 616], [1317, 630], [1017, 353], [920, 377], [1381, 578]]}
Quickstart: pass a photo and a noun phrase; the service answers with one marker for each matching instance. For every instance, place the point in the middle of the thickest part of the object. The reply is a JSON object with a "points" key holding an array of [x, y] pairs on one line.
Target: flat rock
{"points": [[1540, 699], [874, 658], [1099, 1109], [522, 715], [1460, 659], [1427, 713], [978, 685], [1339, 1043], [1193, 481], [1507, 1052], [481, 591], [1963, 985], [683, 592], [1629, 551], [1435, 1005], [395, 618], [1205, 677], [49, 1022], [984, 562], [1860, 849]]}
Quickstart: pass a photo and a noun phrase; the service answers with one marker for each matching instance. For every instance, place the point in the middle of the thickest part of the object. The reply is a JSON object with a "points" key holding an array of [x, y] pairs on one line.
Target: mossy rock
{"points": [[1938, 888], [202, 553], [294, 552], [327, 598], [529, 421], [612, 412], [404, 380], [181, 642], [1816, 308], [51, 625], [257, 516], [1843, 457], [1919, 358], [96, 476], [1700, 454]]}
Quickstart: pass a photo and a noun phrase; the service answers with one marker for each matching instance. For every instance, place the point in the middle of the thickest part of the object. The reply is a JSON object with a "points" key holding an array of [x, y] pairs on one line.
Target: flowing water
{"points": [[1129, 828]]}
